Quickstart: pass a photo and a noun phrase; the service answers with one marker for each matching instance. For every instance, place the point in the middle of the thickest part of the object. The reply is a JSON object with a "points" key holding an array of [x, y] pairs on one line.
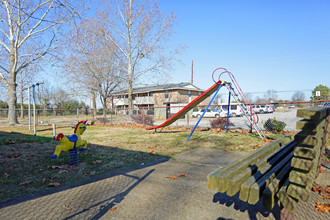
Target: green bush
{"points": [[150, 112], [274, 125]]}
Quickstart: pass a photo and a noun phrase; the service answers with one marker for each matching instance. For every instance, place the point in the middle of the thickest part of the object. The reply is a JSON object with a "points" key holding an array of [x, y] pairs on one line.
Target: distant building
{"points": [[167, 95]]}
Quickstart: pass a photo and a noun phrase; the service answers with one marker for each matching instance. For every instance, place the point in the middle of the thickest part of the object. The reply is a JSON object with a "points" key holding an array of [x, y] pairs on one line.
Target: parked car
{"points": [[270, 108], [208, 114], [234, 111], [326, 104], [259, 109], [291, 106]]}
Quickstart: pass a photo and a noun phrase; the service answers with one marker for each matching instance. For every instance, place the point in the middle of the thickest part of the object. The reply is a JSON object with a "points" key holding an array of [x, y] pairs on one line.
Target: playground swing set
{"points": [[239, 97]]}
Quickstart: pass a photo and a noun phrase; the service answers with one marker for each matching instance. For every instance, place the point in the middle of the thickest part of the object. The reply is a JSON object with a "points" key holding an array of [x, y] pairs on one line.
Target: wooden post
{"points": [[143, 117], [324, 141], [54, 131]]}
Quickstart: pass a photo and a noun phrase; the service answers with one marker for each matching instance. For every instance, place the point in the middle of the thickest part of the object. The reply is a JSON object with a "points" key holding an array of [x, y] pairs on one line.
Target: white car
{"points": [[234, 111], [209, 113], [260, 109]]}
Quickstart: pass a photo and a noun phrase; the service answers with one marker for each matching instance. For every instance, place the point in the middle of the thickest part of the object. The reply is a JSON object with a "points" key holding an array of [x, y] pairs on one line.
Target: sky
{"points": [[268, 45]]}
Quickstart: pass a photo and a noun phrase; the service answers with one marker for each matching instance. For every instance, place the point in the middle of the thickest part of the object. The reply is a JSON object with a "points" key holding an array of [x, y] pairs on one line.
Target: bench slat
{"points": [[269, 198], [219, 179], [261, 184], [265, 164]]}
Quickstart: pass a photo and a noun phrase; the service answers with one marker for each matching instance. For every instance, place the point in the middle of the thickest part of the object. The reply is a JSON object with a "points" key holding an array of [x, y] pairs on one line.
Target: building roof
{"points": [[164, 87]]}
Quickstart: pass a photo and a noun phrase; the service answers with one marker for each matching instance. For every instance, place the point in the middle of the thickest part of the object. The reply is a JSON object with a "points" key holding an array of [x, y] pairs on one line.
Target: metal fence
{"points": [[284, 112]]}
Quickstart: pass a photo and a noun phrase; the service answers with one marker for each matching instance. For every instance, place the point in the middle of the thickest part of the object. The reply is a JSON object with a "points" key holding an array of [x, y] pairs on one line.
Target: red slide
{"points": [[191, 105]]}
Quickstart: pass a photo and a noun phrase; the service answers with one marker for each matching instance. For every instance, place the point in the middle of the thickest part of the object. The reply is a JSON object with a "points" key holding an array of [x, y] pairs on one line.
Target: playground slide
{"points": [[191, 105]]}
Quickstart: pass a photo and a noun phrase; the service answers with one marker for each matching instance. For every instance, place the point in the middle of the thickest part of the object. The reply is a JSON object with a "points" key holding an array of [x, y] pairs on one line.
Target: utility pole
{"points": [[192, 72]]}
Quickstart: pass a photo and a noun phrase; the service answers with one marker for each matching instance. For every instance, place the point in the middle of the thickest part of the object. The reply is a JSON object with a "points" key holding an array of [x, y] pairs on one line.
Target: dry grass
{"points": [[26, 166]]}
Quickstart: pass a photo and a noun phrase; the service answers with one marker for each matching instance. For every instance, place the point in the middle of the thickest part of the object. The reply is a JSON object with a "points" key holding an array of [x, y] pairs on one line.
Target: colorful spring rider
{"points": [[72, 143]]}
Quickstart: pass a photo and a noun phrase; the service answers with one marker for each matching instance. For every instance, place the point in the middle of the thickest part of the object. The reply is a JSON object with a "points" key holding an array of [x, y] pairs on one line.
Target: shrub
{"points": [[150, 112], [103, 120], [139, 119], [135, 112], [274, 125], [220, 123]]}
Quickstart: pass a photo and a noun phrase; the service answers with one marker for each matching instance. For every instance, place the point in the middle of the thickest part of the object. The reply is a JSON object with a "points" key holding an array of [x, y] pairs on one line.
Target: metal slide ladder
{"points": [[247, 112]]}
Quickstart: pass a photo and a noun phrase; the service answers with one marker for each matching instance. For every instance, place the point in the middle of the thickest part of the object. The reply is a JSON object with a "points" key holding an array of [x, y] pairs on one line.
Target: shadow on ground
{"points": [[253, 210], [21, 155]]}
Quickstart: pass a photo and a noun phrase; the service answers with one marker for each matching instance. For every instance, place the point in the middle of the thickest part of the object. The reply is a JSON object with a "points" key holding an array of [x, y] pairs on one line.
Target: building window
{"points": [[166, 94], [189, 93]]}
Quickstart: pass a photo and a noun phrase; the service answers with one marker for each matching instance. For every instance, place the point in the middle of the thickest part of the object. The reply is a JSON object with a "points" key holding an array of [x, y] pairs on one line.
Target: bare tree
{"points": [[270, 96], [298, 96], [139, 31], [24, 79], [92, 64], [38, 23]]}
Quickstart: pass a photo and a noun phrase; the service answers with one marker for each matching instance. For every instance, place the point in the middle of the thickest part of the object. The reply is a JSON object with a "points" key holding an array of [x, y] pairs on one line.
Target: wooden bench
{"points": [[283, 170]]}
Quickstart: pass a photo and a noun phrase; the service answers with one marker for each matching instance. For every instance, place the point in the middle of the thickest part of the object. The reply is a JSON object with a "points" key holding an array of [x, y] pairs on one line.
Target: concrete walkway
{"points": [[145, 192]]}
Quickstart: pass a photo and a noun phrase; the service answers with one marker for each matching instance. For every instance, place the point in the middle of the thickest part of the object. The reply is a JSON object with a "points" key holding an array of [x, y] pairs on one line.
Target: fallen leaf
{"points": [[43, 180], [113, 209], [62, 171], [172, 177], [183, 175], [322, 170], [316, 188], [153, 152], [8, 142], [97, 161], [92, 172], [322, 207], [54, 167], [5, 175], [14, 155], [55, 184], [26, 182]]}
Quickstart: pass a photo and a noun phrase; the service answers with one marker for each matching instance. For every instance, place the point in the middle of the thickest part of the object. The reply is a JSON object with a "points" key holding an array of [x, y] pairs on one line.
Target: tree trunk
{"points": [[94, 105], [104, 108], [12, 116], [22, 91], [22, 106], [12, 97], [130, 95]]}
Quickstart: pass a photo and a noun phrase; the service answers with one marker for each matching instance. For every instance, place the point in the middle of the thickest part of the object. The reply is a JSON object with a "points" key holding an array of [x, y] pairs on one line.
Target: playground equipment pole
{"points": [[228, 113], [34, 110], [204, 112], [34, 106]]}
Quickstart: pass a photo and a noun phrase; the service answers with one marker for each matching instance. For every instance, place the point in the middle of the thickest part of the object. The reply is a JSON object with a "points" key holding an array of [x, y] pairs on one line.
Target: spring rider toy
{"points": [[72, 143]]}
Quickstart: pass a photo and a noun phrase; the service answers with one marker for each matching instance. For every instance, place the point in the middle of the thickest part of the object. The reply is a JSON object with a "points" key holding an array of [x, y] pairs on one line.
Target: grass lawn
{"points": [[26, 166]]}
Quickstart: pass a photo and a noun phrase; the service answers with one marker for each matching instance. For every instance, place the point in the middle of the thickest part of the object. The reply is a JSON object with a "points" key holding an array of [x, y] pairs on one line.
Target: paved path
{"points": [[146, 193]]}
